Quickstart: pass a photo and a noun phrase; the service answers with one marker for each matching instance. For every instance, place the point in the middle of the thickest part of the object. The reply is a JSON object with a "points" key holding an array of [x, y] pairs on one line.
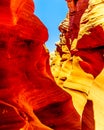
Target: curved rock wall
{"points": [[78, 61], [30, 99]]}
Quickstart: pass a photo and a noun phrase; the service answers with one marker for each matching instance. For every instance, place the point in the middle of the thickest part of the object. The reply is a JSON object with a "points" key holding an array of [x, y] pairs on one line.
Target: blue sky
{"points": [[51, 13]]}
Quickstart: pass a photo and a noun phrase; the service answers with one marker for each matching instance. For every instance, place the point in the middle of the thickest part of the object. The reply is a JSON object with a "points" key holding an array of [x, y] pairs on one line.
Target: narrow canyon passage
{"points": [[63, 90]]}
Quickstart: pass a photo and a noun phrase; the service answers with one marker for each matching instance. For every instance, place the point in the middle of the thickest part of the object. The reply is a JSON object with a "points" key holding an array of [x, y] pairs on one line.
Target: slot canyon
{"points": [[60, 90]]}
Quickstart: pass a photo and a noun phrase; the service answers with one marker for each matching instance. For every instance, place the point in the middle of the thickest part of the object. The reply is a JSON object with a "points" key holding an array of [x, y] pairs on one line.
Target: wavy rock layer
{"points": [[78, 61], [29, 97]]}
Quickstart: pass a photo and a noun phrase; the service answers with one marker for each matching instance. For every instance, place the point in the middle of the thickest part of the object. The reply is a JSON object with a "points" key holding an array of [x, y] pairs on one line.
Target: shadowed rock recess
{"points": [[69, 94]]}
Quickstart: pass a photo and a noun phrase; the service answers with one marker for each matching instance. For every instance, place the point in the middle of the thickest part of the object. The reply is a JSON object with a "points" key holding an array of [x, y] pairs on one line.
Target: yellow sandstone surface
{"points": [[66, 69]]}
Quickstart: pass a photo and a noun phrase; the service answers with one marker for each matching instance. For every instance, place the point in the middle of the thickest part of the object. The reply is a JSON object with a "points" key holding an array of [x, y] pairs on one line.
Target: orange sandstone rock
{"points": [[29, 97]]}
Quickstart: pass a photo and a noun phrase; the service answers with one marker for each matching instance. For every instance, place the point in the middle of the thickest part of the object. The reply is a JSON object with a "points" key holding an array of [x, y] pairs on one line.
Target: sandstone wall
{"points": [[78, 61]]}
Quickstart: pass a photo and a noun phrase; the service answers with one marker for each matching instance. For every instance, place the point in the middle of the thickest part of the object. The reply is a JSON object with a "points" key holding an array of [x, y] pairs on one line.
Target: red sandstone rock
{"points": [[88, 121], [89, 47], [29, 96]]}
